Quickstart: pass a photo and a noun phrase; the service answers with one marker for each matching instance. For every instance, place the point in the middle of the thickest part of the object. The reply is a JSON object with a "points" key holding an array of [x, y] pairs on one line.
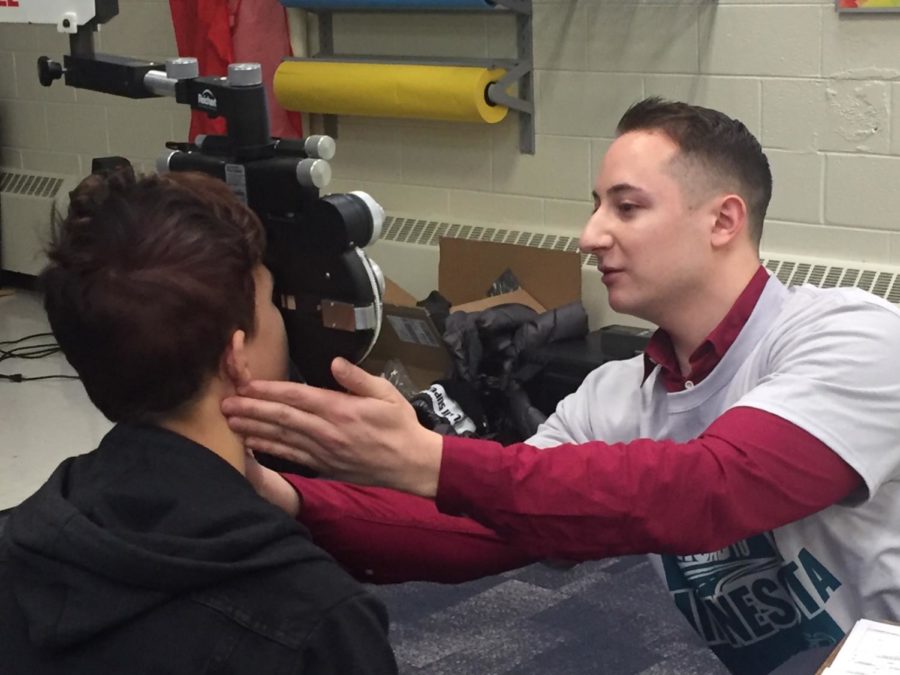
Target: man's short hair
{"points": [[148, 279], [722, 146]]}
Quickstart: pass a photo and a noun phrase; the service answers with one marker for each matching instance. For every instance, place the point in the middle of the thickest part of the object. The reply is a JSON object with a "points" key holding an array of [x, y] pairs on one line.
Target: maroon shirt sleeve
{"points": [[383, 536], [749, 472]]}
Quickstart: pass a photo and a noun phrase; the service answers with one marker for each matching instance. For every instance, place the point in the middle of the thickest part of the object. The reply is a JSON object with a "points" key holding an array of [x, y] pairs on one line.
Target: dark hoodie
{"points": [[153, 555]]}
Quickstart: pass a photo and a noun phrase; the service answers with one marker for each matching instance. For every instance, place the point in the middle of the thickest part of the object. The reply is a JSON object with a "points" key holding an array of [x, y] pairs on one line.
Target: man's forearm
{"points": [[751, 472], [384, 536]]}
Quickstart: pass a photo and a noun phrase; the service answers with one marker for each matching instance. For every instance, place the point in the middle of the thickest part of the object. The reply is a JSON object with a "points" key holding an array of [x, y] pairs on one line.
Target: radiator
{"points": [[27, 201], [408, 253]]}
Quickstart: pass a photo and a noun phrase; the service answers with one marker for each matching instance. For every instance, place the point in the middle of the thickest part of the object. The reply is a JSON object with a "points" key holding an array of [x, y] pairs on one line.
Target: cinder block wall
{"points": [[821, 90]]}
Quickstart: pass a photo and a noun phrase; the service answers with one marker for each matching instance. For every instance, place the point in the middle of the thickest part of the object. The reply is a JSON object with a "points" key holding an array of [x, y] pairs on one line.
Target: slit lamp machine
{"points": [[328, 290]]}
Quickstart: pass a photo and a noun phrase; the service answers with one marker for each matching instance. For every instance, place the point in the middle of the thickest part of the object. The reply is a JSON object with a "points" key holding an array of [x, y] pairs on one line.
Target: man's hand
{"points": [[369, 436], [271, 486]]}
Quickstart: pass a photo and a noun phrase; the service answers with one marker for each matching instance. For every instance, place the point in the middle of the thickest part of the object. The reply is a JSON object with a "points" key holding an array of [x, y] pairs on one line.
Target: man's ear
{"points": [[730, 220], [234, 360]]}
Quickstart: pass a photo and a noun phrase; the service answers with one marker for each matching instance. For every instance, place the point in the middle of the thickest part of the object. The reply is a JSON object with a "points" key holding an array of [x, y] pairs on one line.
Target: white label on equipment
{"points": [[236, 179], [414, 331], [449, 409]]}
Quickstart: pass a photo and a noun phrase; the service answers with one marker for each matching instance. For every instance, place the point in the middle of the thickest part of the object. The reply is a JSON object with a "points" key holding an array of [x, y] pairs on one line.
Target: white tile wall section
{"points": [[569, 217], [762, 41], [10, 157], [835, 242], [820, 89], [138, 131], [861, 190], [463, 35], [829, 3], [736, 96], [443, 153], [862, 47], [599, 146], [7, 75], [797, 181], [561, 167], [895, 119], [141, 30], [581, 103], [19, 37], [894, 248], [782, 126], [487, 207], [54, 162], [560, 37], [398, 199], [501, 37], [89, 120], [24, 124], [638, 44], [368, 150]]}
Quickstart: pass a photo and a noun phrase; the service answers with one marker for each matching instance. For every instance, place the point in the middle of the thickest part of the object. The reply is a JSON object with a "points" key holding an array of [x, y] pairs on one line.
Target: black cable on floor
{"points": [[30, 351]]}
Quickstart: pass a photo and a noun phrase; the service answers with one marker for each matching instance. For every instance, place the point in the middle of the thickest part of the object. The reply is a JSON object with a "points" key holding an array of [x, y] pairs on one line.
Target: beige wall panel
{"points": [[798, 179], [626, 37], [737, 97], [560, 167], [861, 191], [761, 40]]}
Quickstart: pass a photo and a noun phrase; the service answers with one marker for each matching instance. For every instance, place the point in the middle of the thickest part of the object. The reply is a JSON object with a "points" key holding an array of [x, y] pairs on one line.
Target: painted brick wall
{"points": [[821, 91]]}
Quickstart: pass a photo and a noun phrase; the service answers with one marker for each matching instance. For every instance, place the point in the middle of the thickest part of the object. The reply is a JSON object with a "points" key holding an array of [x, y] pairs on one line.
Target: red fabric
{"points": [[382, 536], [202, 29], [261, 36], [750, 472], [219, 33], [661, 351]]}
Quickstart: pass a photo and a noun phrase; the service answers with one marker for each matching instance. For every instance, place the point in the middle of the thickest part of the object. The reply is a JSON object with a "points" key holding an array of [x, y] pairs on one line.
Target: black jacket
{"points": [[153, 555]]}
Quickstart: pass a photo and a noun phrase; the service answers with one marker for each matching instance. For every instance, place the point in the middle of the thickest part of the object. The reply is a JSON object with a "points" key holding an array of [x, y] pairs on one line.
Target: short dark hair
{"points": [[720, 144], [148, 279]]}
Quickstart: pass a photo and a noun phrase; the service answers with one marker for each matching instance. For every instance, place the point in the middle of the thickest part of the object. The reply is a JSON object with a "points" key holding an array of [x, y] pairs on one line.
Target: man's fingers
{"points": [[291, 454], [282, 418], [300, 396], [246, 427], [357, 381]]}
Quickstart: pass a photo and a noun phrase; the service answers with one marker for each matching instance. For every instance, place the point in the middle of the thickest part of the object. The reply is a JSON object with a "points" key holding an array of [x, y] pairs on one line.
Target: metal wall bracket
{"points": [[519, 74]]}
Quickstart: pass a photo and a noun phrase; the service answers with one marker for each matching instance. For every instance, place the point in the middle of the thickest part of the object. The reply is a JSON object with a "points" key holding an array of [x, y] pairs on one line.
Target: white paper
{"points": [[871, 648]]}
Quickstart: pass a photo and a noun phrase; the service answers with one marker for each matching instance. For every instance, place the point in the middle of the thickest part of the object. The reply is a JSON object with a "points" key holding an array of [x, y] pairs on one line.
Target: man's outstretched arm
{"points": [[750, 472]]}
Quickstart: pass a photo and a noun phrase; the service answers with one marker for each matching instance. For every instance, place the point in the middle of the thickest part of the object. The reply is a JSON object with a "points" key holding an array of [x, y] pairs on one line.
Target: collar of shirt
{"points": [[660, 351]]}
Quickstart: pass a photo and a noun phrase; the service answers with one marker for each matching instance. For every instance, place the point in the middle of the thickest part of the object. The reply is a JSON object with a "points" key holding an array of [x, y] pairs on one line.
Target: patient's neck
{"points": [[204, 423]]}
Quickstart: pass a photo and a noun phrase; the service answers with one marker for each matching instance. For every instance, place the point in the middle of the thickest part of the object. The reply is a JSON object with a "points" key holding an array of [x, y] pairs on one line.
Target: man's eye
{"points": [[627, 207]]}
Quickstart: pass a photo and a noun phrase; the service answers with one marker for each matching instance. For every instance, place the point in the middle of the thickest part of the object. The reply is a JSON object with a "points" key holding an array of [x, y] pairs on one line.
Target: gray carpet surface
{"points": [[610, 617]]}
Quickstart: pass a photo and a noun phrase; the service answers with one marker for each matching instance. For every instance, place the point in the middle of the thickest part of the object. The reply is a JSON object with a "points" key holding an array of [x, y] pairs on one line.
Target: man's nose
{"points": [[595, 236]]}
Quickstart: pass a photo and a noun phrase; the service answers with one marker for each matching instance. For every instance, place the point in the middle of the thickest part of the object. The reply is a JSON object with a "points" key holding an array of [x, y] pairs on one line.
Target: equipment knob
{"points": [[313, 172], [162, 162], [49, 70], [376, 213], [244, 74], [182, 68], [319, 145]]}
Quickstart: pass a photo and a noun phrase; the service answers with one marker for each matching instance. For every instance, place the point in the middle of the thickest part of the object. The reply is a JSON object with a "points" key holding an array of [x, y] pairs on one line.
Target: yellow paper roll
{"points": [[454, 93]]}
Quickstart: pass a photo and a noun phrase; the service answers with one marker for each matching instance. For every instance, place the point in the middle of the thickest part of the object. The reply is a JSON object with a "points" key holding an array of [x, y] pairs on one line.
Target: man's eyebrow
{"points": [[618, 188]]}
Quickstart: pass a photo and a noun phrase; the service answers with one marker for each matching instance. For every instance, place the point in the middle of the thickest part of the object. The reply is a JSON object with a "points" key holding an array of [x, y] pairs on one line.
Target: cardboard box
{"points": [[466, 271]]}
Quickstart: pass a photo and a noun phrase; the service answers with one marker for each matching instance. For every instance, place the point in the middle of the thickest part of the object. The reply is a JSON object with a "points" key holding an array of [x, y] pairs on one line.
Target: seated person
{"points": [[153, 553]]}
